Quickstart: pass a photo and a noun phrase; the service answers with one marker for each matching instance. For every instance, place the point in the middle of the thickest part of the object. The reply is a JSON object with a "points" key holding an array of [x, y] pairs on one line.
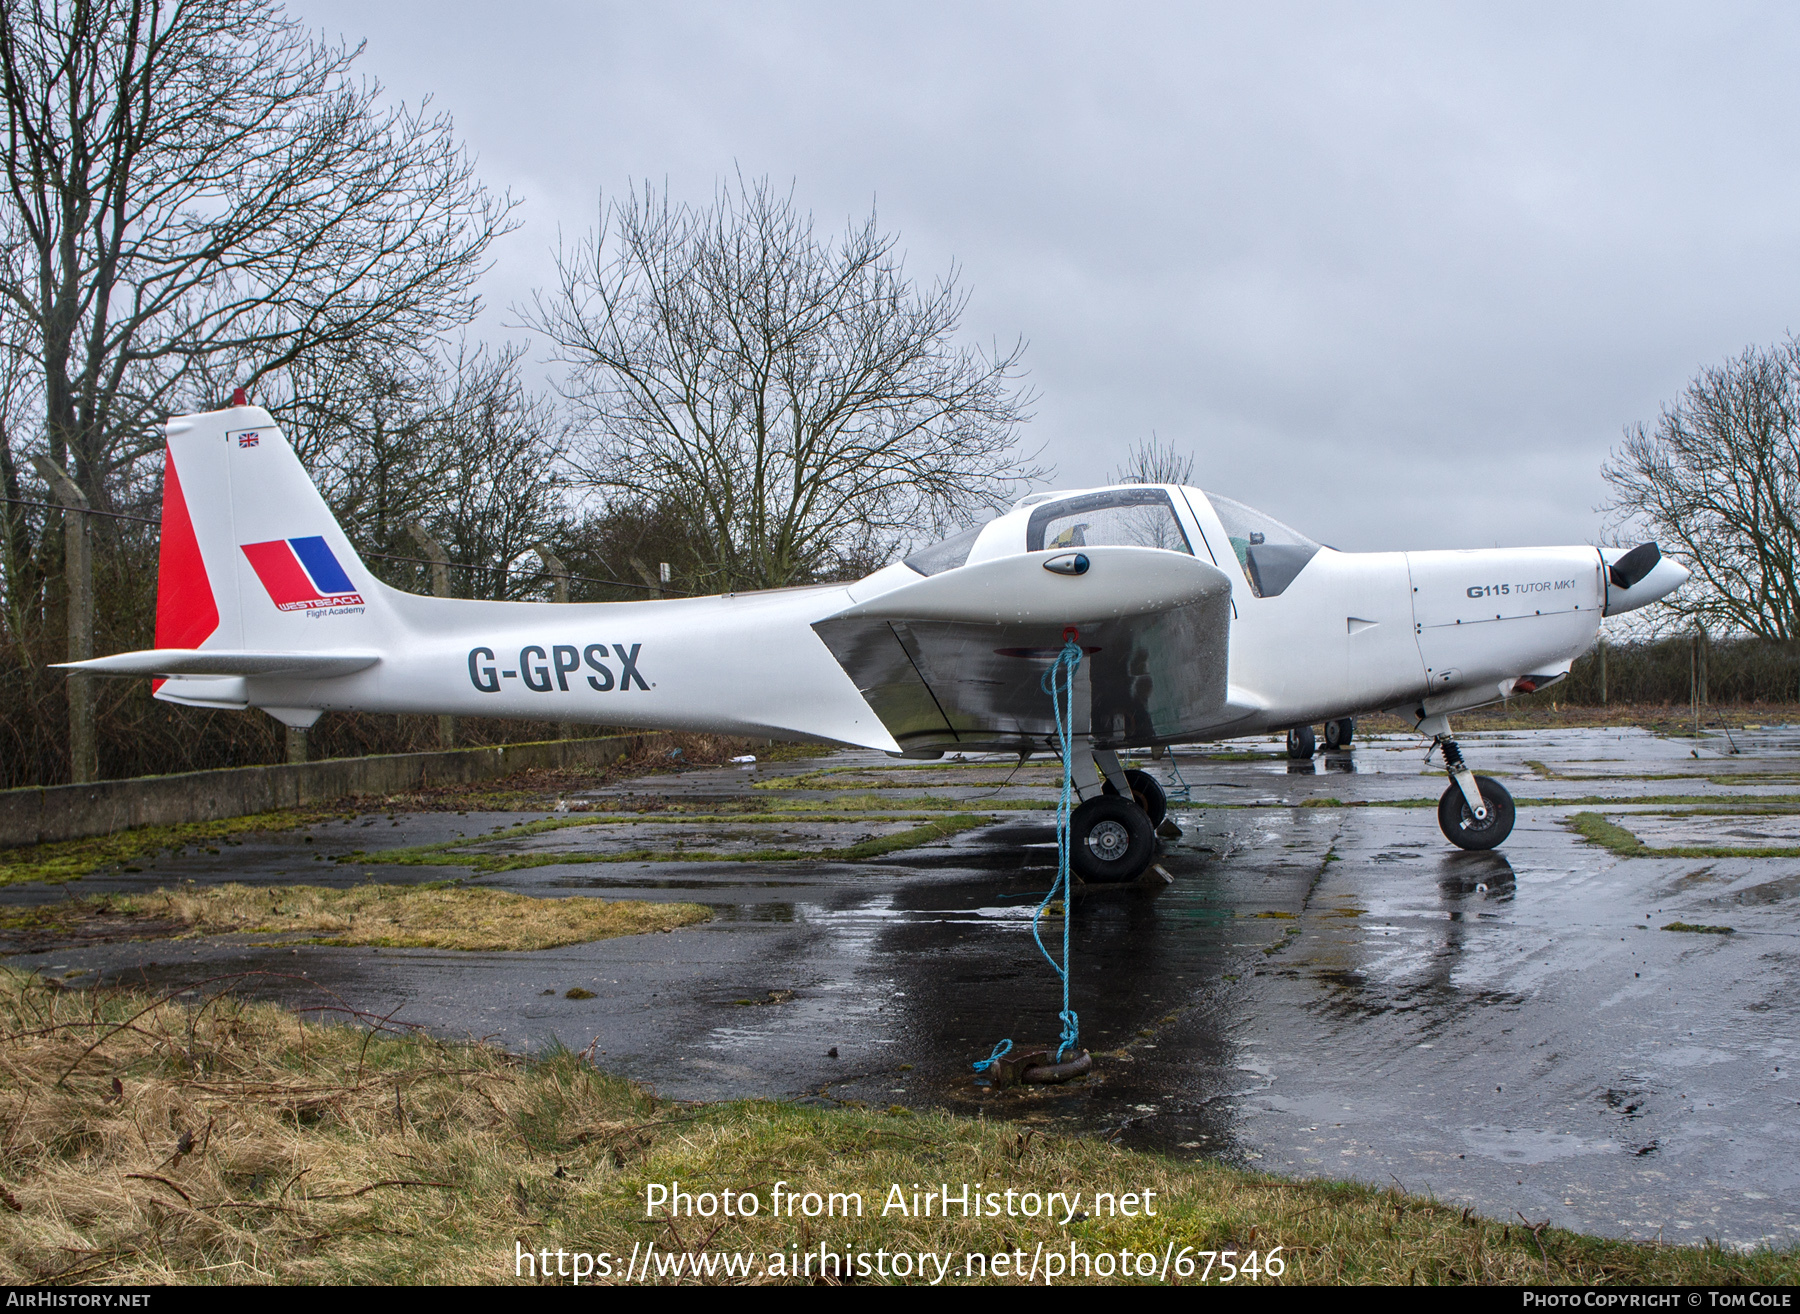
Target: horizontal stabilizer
{"points": [[313, 665]]}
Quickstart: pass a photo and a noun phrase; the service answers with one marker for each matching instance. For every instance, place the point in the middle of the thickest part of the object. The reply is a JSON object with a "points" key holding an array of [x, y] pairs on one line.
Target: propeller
{"points": [[1634, 565]]}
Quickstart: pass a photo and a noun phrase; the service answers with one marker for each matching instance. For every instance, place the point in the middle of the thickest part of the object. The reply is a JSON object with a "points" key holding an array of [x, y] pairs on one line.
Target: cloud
{"points": [[1397, 274]]}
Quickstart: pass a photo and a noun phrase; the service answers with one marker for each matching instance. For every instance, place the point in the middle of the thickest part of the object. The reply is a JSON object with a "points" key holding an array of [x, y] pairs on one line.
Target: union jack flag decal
{"points": [[249, 439]]}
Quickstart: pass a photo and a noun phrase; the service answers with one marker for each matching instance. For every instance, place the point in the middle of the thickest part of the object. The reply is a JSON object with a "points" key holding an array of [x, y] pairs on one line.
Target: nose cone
{"points": [[1659, 581]]}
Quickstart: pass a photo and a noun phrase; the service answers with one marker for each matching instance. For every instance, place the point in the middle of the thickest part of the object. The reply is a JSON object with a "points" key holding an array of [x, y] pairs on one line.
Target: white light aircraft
{"points": [[1197, 618]]}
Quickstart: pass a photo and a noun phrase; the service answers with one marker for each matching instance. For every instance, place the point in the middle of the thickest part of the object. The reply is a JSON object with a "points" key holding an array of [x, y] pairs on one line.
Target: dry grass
{"points": [[211, 1140], [397, 916]]}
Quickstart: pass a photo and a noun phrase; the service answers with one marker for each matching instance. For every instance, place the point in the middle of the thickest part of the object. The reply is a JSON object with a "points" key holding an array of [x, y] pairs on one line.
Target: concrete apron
{"points": [[1323, 990]]}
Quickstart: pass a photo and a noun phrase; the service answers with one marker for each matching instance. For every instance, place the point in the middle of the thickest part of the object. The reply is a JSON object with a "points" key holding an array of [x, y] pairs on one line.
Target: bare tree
{"points": [[504, 490], [1716, 481], [200, 178], [788, 397], [1153, 461], [457, 446]]}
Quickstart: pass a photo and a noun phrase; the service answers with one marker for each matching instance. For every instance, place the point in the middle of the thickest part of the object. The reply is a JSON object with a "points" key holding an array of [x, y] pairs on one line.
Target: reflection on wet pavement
{"points": [[1326, 988]]}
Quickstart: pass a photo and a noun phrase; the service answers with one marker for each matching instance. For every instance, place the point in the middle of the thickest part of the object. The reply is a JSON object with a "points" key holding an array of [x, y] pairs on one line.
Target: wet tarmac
{"points": [[1325, 988]]}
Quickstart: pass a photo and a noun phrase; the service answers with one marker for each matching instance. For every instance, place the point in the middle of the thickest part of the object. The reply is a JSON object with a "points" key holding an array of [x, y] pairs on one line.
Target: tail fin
{"points": [[252, 558]]}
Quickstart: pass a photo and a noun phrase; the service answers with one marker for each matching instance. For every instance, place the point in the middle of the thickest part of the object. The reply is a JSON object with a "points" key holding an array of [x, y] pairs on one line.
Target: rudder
{"points": [[251, 555]]}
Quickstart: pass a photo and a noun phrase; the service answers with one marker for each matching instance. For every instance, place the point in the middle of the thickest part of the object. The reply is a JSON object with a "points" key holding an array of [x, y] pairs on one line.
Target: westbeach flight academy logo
{"points": [[301, 574]]}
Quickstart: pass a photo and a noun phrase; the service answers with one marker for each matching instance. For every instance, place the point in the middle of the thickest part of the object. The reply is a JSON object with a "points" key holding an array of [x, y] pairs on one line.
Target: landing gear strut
{"points": [[1476, 812], [1146, 791]]}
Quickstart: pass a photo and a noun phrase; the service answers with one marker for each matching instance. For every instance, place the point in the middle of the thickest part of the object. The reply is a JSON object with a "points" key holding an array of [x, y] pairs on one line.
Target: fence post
{"points": [[296, 744], [440, 587], [1694, 679], [1704, 642], [1603, 670], [559, 575], [653, 582], [78, 575]]}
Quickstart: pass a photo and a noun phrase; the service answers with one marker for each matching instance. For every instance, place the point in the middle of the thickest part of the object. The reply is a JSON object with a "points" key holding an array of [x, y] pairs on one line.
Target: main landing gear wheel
{"points": [[1301, 742], [1147, 790], [1457, 820], [1339, 733], [1111, 839]]}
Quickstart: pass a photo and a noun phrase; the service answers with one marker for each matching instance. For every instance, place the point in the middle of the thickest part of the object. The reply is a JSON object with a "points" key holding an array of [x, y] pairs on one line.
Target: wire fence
{"points": [[1685, 668]]}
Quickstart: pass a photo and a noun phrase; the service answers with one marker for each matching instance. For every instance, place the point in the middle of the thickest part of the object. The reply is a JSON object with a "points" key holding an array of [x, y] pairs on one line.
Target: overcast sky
{"points": [[1395, 274]]}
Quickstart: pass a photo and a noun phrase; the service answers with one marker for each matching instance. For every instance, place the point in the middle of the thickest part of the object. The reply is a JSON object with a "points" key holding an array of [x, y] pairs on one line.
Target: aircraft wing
{"points": [[310, 665], [957, 659]]}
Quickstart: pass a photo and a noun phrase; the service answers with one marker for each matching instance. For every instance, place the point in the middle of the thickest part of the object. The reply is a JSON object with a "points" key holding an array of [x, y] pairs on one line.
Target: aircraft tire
{"points": [[1301, 742], [1148, 792], [1458, 822], [1111, 840], [1339, 733]]}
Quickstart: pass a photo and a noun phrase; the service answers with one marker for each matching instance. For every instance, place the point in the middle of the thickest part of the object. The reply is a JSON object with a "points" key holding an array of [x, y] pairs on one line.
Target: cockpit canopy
{"points": [[1270, 553], [1118, 517], [946, 555], [1140, 515]]}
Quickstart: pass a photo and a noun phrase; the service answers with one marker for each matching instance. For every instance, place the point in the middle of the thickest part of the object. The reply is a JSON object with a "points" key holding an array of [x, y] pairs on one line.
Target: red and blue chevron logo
{"points": [[301, 574]]}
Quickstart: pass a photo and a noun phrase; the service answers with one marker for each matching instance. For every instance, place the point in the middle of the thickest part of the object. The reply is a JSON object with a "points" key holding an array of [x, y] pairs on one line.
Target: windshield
{"points": [[1122, 517], [947, 555], [1270, 553]]}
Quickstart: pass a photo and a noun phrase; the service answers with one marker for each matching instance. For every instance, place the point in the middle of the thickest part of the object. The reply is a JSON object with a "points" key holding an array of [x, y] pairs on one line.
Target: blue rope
{"points": [[1181, 790], [1000, 1051], [1062, 706]]}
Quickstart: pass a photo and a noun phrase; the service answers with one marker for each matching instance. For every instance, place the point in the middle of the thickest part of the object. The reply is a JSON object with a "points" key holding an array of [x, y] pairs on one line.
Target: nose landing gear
{"points": [[1146, 791], [1111, 840], [1112, 834], [1476, 812]]}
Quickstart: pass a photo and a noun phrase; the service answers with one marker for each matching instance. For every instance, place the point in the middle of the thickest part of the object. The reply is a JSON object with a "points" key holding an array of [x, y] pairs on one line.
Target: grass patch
{"points": [[537, 788], [1758, 778], [388, 916], [1598, 830], [449, 853], [70, 860], [1704, 930], [153, 1141]]}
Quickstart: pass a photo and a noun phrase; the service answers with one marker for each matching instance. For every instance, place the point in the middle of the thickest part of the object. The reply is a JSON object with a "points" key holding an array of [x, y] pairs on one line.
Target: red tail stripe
{"points": [[186, 612]]}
